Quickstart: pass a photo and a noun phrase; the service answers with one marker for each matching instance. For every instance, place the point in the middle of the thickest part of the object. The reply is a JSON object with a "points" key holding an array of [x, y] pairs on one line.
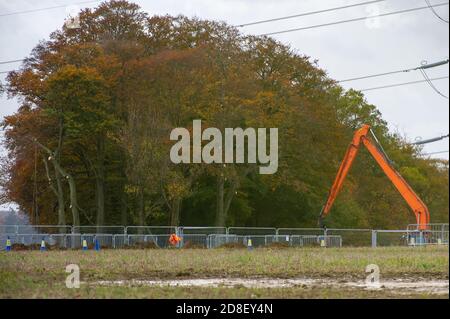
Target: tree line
{"points": [[90, 142]]}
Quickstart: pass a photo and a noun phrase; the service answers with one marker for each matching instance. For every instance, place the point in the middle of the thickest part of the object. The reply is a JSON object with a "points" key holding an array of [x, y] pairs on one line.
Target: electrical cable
{"points": [[44, 9], [309, 13], [434, 12], [353, 20], [403, 84]]}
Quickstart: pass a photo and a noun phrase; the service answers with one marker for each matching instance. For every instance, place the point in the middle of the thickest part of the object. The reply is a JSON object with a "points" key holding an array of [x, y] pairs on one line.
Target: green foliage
{"points": [[106, 96]]}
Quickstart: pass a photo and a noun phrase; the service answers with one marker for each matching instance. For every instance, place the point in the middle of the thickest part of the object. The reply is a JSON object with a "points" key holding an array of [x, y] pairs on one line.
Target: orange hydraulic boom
{"points": [[361, 137]]}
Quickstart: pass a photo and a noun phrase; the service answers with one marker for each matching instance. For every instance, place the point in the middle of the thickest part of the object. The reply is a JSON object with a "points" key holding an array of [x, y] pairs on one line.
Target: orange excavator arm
{"points": [[361, 137]]}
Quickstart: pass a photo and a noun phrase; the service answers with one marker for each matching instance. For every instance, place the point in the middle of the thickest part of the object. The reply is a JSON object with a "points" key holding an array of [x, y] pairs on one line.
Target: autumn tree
{"points": [[90, 142]]}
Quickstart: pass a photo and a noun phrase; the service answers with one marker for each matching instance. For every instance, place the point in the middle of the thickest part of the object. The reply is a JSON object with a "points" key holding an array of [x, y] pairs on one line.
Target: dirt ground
{"points": [[405, 272]]}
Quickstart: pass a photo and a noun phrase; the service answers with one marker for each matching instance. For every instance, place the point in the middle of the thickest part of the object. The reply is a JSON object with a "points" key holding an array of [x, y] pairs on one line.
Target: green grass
{"points": [[35, 274]]}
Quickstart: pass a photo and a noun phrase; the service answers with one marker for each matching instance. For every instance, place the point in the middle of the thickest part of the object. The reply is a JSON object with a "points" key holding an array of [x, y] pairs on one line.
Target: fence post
{"points": [[179, 233], [374, 239], [125, 238]]}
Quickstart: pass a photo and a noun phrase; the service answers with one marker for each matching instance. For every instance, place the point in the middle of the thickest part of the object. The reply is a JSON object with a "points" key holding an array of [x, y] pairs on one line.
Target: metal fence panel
{"points": [[63, 236], [322, 241], [201, 230], [311, 240], [288, 240], [301, 231], [385, 238], [9, 229], [256, 240], [98, 230], [427, 237], [119, 241], [74, 241], [194, 241], [353, 237], [220, 240], [333, 241], [32, 241], [136, 240], [254, 231], [44, 229], [296, 240], [151, 230], [409, 238], [104, 240], [435, 233], [433, 227], [58, 240], [148, 241]]}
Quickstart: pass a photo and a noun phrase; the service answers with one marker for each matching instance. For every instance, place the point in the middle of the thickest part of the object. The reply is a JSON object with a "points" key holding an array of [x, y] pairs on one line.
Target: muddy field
{"points": [[401, 287], [420, 272]]}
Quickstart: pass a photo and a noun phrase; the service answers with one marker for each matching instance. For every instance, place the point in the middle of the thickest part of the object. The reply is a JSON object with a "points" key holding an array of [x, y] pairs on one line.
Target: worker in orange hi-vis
{"points": [[174, 239]]}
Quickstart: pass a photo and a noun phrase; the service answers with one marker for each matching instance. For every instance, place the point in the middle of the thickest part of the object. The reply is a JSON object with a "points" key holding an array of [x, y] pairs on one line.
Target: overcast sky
{"points": [[344, 51]]}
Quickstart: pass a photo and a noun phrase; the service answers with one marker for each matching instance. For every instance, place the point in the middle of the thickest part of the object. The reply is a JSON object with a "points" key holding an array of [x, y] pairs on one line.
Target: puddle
{"points": [[214, 282], [400, 286], [431, 286]]}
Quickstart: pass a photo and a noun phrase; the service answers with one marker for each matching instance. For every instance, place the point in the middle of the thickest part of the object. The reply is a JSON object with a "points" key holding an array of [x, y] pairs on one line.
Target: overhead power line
{"points": [[434, 12], [276, 19], [11, 61], [374, 75], [430, 83], [355, 19], [435, 153], [431, 140], [403, 84], [423, 66], [47, 8], [426, 65], [309, 13]]}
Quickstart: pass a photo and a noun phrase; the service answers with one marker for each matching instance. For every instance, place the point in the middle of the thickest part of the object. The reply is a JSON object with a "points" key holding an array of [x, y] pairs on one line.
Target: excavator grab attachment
{"points": [[361, 137]]}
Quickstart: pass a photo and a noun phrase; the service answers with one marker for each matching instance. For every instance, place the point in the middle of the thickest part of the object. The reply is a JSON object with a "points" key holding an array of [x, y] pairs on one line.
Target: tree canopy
{"points": [[90, 142]]}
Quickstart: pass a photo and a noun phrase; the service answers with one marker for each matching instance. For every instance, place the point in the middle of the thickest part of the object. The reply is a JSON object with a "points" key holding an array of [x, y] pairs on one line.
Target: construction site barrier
{"points": [[69, 237]]}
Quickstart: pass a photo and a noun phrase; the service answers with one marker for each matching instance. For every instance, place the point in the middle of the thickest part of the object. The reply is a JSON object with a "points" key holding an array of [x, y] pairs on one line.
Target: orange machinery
{"points": [[361, 137]]}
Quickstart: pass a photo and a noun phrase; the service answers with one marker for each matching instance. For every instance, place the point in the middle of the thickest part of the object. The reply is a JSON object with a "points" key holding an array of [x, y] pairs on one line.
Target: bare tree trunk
{"points": [[61, 201], [123, 208], [229, 197], [141, 207], [58, 191], [72, 187], [73, 194], [59, 187], [224, 199], [175, 212], [220, 213], [100, 183]]}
